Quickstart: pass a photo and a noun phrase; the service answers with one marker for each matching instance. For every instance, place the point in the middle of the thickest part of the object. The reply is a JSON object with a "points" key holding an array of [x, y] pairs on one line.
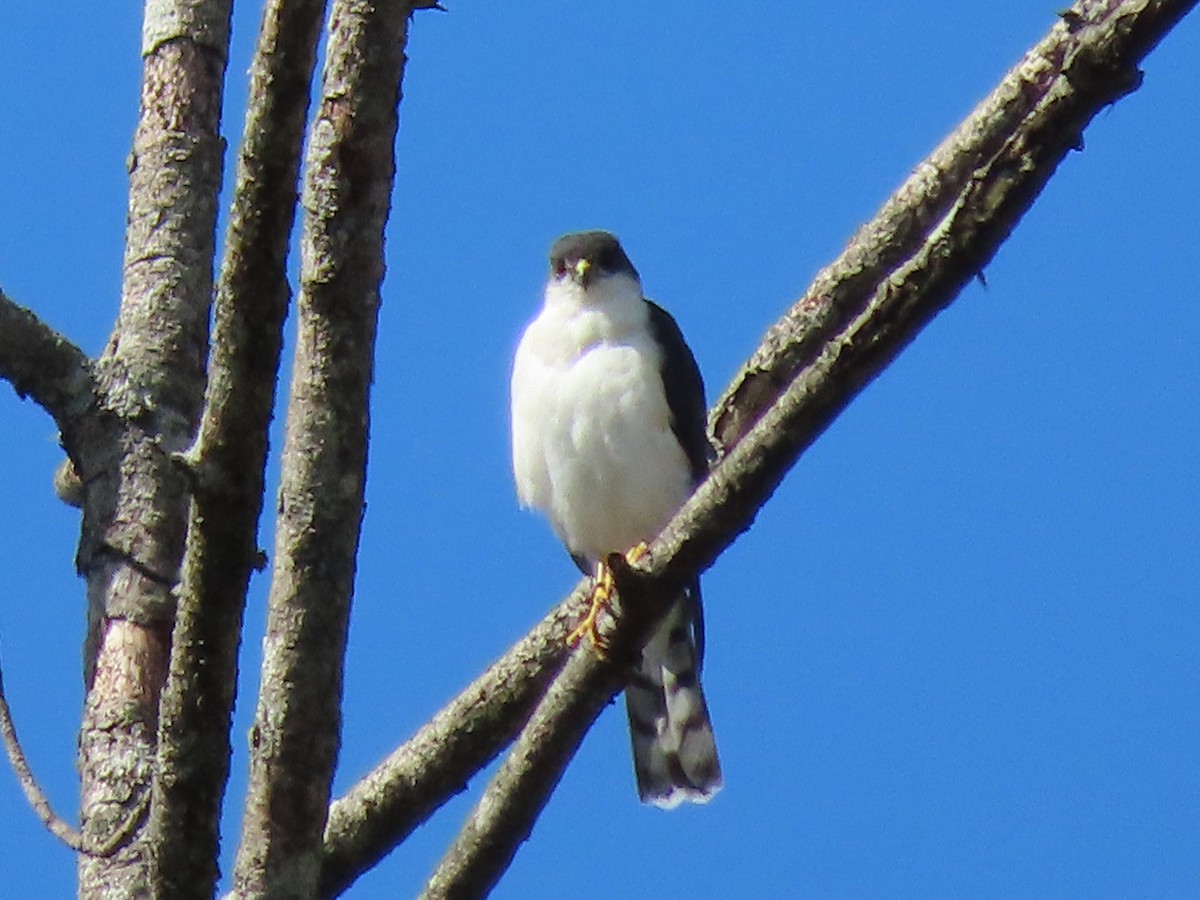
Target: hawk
{"points": [[608, 440]]}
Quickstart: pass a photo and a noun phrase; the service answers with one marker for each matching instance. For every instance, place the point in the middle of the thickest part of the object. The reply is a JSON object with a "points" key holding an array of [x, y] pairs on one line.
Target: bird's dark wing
{"points": [[586, 566], [685, 391], [684, 387]]}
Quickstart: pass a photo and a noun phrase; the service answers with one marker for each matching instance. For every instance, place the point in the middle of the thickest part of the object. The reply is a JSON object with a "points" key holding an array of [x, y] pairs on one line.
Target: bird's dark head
{"points": [[584, 256]]}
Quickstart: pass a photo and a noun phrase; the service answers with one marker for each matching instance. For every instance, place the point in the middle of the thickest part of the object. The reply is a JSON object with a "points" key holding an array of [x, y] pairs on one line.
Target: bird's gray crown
{"points": [[600, 248]]}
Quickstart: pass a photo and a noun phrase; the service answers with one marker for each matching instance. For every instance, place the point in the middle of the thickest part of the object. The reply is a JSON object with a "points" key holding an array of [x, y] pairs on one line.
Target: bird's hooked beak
{"points": [[580, 271]]}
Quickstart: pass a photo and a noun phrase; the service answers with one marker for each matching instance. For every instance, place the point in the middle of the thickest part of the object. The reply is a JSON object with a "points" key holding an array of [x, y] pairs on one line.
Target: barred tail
{"points": [[674, 751]]}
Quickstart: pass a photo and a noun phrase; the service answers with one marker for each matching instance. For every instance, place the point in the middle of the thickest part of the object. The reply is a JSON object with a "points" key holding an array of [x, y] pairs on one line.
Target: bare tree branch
{"points": [[1105, 42], [40, 363], [1094, 41], [151, 382], [504, 816], [438, 761], [228, 461], [349, 172]]}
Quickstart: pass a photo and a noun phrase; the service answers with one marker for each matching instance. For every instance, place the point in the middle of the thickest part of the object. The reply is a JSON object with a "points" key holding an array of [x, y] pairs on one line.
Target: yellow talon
{"points": [[603, 587], [636, 552], [602, 591]]}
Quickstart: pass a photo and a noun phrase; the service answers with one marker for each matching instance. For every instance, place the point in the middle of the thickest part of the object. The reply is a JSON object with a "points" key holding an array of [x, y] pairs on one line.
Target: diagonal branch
{"points": [[40, 363], [1091, 63], [435, 764], [349, 171], [509, 807], [1094, 41], [228, 460]]}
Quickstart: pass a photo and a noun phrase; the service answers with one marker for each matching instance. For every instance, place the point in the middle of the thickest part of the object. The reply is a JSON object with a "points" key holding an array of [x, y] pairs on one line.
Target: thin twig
{"points": [[55, 824]]}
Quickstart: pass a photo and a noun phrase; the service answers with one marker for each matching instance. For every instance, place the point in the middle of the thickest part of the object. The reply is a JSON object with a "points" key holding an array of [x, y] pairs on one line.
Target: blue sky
{"points": [[957, 653]]}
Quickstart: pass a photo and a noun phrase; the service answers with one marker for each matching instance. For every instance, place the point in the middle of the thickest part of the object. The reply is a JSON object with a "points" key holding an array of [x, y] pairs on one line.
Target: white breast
{"points": [[592, 440]]}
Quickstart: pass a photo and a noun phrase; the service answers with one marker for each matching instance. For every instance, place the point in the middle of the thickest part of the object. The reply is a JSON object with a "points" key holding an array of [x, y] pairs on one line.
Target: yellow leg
{"points": [[603, 587]]}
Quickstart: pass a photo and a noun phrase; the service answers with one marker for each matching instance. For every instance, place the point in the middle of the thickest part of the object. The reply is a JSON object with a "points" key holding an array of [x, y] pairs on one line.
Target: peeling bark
{"points": [[150, 382]]}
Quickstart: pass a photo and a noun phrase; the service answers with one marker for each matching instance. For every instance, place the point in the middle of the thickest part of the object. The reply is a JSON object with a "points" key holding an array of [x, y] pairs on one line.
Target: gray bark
{"points": [[228, 460], [150, 381], [349, 172]]}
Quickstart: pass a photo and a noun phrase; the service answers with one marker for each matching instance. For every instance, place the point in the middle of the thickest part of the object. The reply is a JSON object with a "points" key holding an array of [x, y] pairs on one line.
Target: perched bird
{"points": [[608, 440]]}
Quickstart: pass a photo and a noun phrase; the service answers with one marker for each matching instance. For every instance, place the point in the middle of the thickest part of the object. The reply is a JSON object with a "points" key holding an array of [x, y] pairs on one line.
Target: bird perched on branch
{"points": [[608, 440]]}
